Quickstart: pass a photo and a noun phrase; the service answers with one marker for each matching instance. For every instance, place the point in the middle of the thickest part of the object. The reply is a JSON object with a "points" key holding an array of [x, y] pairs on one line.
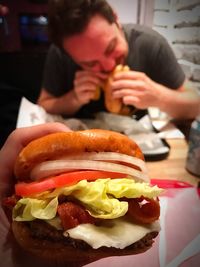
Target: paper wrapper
{"points": [[178, 243], [140, 131]]}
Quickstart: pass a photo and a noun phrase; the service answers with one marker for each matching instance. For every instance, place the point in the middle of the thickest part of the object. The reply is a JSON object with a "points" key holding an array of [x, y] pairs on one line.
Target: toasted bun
{"points": [[57, 145], [112, 105], [73, 251]]}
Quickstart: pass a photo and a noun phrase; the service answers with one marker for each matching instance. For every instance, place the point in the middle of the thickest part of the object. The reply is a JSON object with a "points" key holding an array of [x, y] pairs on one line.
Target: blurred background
{"points": [[24, 43], [24, 28]]}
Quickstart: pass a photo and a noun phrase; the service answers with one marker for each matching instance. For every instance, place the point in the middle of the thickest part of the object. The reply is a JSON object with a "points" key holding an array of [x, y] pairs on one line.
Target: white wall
{"points": [[126, 10], [179, 22]]}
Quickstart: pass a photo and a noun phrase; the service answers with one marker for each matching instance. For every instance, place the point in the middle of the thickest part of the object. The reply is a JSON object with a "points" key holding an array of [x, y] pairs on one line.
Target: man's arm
{"points": [[85, 86], [56, 95], [137, 89], [66, 104], [184, 103], [165, 88]]}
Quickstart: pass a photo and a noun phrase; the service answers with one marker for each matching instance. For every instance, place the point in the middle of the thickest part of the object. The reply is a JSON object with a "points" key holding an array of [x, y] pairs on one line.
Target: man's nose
{"points": [[108, 64]]}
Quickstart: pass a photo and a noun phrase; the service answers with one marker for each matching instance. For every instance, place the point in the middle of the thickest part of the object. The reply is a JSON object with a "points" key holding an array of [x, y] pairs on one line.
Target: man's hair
{"points": [[69, 17]]}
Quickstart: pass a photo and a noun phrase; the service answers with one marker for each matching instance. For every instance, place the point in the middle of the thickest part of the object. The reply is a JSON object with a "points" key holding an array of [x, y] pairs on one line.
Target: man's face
{"points": [[99, 48]]}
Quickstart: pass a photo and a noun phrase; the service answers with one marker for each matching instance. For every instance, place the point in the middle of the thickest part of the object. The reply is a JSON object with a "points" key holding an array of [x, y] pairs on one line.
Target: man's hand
{"points": [[85, 85], [16, 141], [135, 88]]}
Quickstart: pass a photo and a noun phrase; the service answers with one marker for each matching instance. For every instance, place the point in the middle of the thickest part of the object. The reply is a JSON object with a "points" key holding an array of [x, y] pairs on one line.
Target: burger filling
{"points": [[92, 204]]}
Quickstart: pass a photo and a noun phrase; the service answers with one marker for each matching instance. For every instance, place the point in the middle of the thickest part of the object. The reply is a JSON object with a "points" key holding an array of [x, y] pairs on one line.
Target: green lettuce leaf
{"points": [[28, 209]]}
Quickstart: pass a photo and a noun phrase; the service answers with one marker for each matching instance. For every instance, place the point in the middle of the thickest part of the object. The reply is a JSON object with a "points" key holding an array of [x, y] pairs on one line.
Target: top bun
{"points": [[57, 145]]}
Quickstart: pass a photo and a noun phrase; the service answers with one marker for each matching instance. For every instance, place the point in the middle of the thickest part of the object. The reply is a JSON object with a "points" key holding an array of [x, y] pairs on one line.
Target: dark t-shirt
{"points": [[149, 52]]}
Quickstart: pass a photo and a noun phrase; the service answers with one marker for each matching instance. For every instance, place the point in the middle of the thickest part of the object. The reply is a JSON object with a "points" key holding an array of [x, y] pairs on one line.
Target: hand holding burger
{"points": [[15, 143], [81, 196]]}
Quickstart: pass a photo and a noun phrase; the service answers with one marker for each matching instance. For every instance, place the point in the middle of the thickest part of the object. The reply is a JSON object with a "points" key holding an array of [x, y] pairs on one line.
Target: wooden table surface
{"points": [[173, 167]]}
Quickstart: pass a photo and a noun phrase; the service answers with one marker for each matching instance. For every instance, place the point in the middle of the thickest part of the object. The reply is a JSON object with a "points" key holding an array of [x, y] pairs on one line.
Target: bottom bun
{"points": [[69, 250]]}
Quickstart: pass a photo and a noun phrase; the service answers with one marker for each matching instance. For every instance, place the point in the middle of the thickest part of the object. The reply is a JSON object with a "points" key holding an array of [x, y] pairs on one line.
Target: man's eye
{"points": [[90, 64], [111, 47]]}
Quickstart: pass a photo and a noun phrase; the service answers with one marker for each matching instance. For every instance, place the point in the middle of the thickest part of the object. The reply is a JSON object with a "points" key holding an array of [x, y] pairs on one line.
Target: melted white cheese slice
{"points": [[118, 233]]}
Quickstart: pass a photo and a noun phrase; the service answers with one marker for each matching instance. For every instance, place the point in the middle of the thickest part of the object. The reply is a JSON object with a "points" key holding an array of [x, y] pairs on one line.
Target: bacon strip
{"points": [[72, 215], [10, 202], [143, 210]]}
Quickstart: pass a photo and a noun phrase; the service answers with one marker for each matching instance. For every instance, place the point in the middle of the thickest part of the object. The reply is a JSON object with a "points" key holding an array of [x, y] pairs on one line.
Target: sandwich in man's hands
{"points": [[81, 196], [112, 105]]}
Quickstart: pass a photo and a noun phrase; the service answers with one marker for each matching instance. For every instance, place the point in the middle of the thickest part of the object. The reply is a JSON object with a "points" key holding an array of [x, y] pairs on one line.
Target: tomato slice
{"points": [[65, 179]]}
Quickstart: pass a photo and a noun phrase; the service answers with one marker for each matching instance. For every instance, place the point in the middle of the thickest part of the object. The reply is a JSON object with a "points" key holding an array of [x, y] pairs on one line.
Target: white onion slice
{"points": [[109, 156], [55, 167]]}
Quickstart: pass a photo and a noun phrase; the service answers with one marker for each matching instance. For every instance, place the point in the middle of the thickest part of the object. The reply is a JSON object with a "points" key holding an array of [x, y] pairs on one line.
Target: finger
{"points": [[134, 101], [102, 76], [31, 133], [127, 92], [81, 89], [20, 138], [98, 75], [87, 97], [84, 95], [132, 84], [131, 100], [87, 79], [84, 73], [132, 75]]}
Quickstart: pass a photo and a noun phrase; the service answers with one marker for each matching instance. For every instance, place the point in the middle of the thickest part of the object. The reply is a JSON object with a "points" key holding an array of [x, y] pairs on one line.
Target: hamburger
{"points": [[81, 196], [113, 105]]}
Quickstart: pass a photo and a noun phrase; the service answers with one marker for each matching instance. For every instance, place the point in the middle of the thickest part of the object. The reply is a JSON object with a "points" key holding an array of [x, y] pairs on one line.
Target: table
{"points": [[173, 167]]}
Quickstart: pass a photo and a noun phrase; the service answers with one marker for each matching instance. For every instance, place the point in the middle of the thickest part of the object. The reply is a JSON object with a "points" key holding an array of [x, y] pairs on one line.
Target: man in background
{"points": [[88, 43]]}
